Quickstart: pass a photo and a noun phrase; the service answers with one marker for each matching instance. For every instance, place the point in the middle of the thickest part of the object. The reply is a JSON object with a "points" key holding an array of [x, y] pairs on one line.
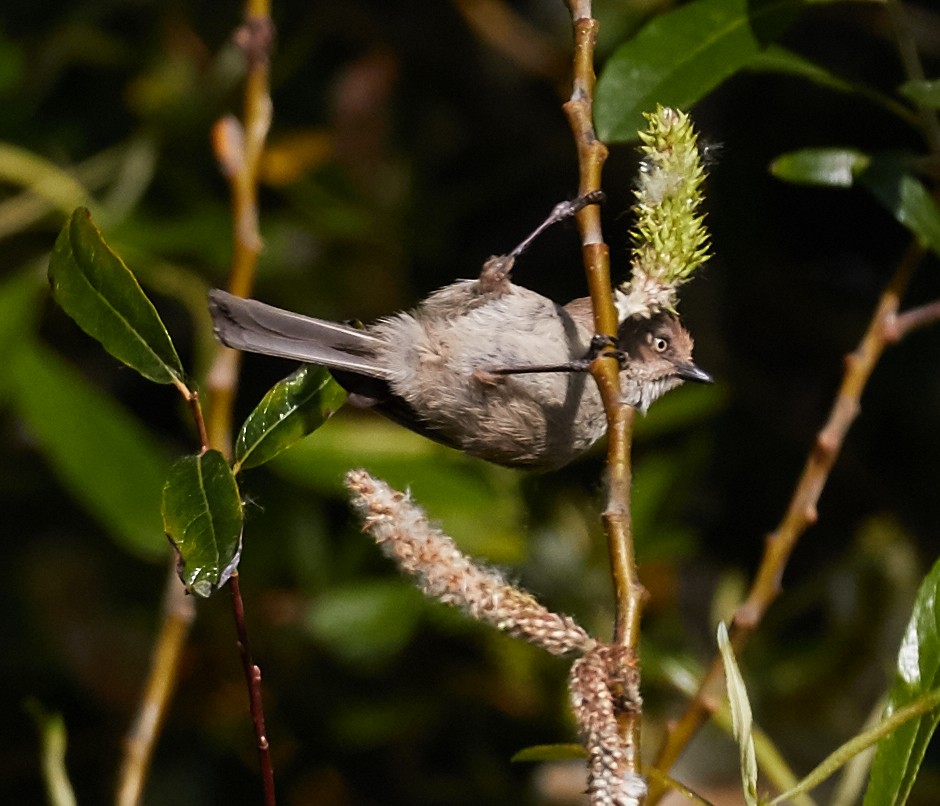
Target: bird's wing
{"points": [[255, 327]]}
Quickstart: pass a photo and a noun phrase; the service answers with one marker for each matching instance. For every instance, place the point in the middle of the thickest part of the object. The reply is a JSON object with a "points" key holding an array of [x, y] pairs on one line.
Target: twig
{"points": [[238, 148], [801, 513], [178, 614], [256, 38], [913, 69], [253, 678], [592, 153], [912, 319]]}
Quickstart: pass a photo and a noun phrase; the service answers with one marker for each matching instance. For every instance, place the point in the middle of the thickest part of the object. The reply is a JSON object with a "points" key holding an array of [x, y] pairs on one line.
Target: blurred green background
{"points": [[408, 146]]}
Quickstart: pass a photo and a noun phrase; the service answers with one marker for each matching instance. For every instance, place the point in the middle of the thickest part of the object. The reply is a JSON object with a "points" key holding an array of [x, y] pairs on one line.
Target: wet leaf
{"points": [[202, 516], [96, 289], [292, 409], [899, 756]]}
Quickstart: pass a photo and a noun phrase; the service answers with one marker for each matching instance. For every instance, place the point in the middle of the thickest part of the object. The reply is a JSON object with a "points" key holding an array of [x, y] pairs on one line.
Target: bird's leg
{"points": [[559, 212], [495, 272], [600, 346]]}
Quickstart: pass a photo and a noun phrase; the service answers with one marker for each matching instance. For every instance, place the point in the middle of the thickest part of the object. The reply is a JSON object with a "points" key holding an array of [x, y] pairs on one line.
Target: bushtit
{"points": [[482, 365]]}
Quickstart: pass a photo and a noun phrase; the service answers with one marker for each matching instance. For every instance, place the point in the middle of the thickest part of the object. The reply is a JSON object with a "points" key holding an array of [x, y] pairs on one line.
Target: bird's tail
{"points": [[255, 327]]}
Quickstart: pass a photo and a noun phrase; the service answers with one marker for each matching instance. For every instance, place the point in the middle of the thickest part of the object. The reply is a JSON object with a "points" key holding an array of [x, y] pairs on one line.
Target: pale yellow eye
{"points": [[660, 345]]}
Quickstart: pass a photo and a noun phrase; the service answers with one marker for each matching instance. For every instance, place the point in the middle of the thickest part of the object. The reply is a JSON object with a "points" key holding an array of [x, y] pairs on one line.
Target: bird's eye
{"points": [[660, 345]]}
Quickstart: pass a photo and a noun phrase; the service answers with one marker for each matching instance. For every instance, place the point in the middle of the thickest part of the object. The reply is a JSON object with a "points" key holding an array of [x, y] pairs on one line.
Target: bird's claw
{"points": [[604, 346]]}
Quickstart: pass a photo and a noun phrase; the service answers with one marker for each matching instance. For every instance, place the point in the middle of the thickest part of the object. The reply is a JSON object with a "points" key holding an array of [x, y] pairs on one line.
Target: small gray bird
{"points": [[482, 365]]}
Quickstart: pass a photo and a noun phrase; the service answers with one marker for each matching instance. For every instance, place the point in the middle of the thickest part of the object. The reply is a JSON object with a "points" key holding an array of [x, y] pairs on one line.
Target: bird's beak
{"points": [[690, 372]]}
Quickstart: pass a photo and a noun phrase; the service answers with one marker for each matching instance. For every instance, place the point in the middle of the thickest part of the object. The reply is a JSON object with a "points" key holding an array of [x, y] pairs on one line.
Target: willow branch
{"points": [[256, 38], [178, 616], [592, 153], [253, 680], [801, 513], [239, 147]]}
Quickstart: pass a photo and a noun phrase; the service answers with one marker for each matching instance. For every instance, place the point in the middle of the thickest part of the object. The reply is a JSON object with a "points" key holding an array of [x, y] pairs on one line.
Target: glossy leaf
{"points": [[202, 516], [100, 293], [679, 57], [100, 454], [292, 409], [889, 180], [831, 167], [899, 756], [741, 721]]}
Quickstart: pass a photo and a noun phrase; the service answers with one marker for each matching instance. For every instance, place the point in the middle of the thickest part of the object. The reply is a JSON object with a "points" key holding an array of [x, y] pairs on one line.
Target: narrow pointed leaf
{"points": [[888, 177], [778, 59], [899, 756], [681, 56], [924, 93], [202, 516], [889, 180], [20, 307], [53, 739], [741, 721], [100, 293], [830, 167], [292, 409], [550, 753], [104, 457]]}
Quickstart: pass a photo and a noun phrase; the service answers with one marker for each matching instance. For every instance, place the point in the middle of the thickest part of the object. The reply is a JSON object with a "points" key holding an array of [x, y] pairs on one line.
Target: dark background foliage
{"points": [[411, 149]]}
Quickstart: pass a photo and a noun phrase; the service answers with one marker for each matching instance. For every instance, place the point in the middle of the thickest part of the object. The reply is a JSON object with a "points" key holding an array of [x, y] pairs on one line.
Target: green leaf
{"points": [[887, 176], [741, 721], [19, 313], [551, 752], [367, 622], [899, 756], [43, 178], [292, 409], [922, 93], [100, 293], [202, 516], [53, 741], [830, 167], [454, 487], [101, 455], [889, 180], [850, 749], [777, 59], [681, 56]]}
